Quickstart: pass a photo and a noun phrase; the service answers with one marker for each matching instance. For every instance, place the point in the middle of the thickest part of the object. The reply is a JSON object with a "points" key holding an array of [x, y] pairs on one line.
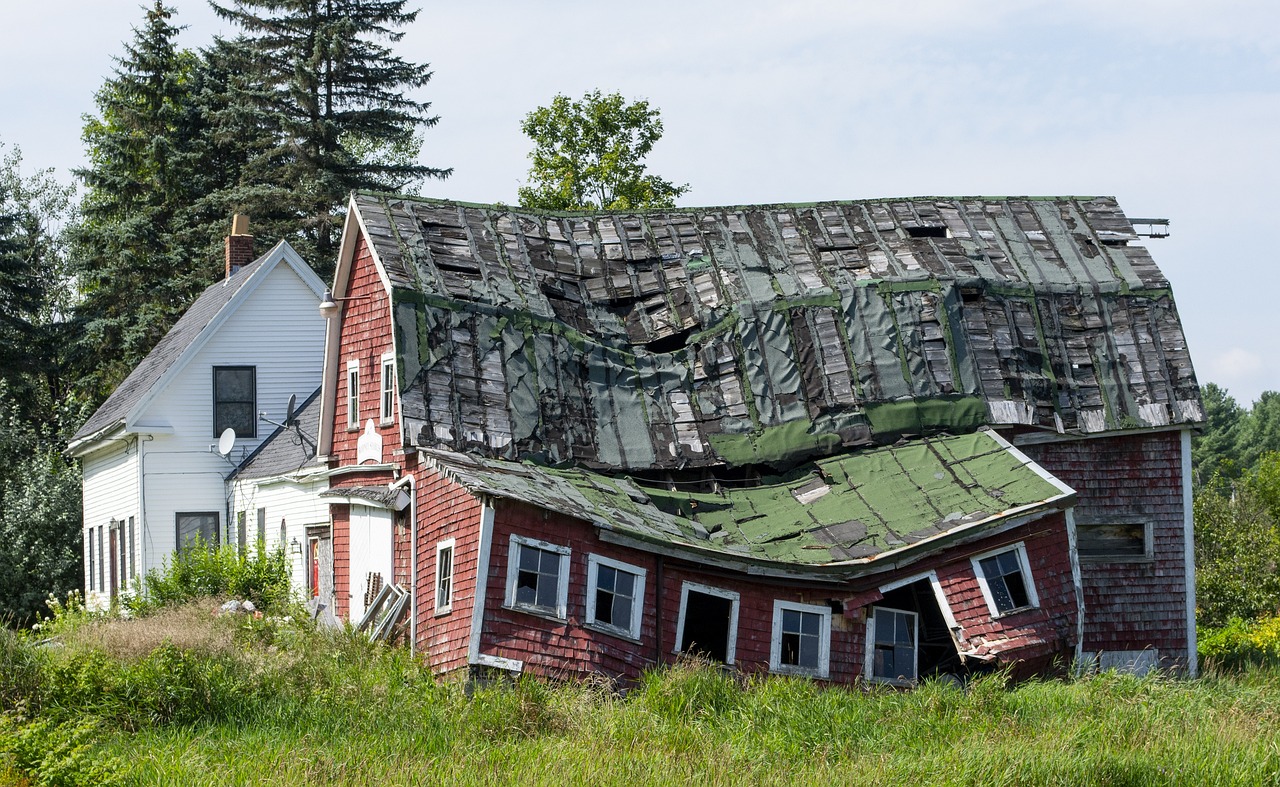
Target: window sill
{"points": [[389, 422], [996, 615], [613, 632], [1109, 559], [537, 612], [442, 611]]}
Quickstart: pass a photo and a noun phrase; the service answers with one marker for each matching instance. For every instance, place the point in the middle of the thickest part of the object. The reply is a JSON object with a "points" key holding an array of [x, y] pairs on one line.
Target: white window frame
{"points": [[387, 389], [868, 665], [445, 546], [1033, 599], [561, 611], [92, 574], [632, 629], [353, 394], [731, 647], [823, 670]]}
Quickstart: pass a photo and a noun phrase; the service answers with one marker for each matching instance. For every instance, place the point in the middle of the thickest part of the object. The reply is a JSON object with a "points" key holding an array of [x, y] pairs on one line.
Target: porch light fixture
{"points": [[329, 304]]}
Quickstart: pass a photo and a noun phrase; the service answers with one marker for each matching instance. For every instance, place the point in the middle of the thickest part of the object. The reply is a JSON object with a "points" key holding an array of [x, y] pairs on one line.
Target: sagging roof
{"points": [[766, 334], [836, 516], [185, 333], [287, 450]]}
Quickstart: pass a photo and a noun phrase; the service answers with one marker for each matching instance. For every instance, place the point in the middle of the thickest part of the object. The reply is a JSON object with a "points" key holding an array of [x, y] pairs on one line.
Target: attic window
{"points": [[1114, 541], [235, 396], [928, 232]]}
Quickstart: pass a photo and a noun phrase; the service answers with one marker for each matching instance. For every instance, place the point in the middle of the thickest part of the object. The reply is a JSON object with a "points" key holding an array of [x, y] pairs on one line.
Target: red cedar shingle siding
{"points": [[1138, 477], [341, 516], [554, 647], [446, 510], [366, 335]]}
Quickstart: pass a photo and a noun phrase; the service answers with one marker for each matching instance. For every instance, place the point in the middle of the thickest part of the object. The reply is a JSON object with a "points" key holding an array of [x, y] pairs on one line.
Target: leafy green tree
{"points": [[589, 155], [337, 94], [1215, 452], [1260, 432], [1238, 546]]}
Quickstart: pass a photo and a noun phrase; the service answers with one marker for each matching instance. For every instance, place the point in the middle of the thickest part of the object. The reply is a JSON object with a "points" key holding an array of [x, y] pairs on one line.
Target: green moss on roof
{"points": [[852, 507]]}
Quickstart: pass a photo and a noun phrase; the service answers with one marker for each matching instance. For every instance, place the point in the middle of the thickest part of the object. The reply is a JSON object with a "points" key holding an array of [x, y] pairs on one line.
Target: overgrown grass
{"points": [[270, 701]]}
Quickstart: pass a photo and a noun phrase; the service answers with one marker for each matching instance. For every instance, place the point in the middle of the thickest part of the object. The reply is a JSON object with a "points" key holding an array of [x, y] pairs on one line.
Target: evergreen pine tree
{"points": [[136, 267], [337, 93]]}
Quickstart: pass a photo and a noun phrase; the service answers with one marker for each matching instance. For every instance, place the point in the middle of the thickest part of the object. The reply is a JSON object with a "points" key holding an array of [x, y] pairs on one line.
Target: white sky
{"points": [[1172, 106]]}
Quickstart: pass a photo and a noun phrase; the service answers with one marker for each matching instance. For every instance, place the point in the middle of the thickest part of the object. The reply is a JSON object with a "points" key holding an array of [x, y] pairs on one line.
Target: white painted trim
{"points": [[948, 617], [482, 582], [632, 630], [447, 607], [1033, 598], [1037, 438], [869, 656], [1189, 555], [386, 414], [351, 229], [731, 647], [823, 670], [499, 662], [353, 394], [1077, 585], [561, 611]]}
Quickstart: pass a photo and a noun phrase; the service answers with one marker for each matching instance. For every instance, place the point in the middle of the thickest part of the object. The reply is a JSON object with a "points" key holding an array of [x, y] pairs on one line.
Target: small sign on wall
{"points": [[369, 446]]}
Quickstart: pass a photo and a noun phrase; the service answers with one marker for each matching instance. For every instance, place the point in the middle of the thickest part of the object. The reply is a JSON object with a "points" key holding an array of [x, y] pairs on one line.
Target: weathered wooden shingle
{"points": [[706, 337]]}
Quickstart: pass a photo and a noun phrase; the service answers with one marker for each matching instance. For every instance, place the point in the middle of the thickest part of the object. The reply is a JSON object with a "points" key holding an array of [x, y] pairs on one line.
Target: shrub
{"points": [[57, 753], [1240, 643], [261, 576]]}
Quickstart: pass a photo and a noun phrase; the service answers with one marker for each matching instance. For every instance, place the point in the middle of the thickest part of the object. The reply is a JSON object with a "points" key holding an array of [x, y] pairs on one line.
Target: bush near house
{"points": [[258, 575], [184, 697]]}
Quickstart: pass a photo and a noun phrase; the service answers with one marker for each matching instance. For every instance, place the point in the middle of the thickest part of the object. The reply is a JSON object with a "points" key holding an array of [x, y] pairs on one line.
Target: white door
{"points": [[370, 556]]}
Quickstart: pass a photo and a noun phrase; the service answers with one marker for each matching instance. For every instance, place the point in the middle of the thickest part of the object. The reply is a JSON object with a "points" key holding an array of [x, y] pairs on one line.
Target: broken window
{"points": [[891, 646], [801, 641], [1114, 541], [1005, 579], [444, 576], [708, 624], [538, 577], [615, 595]]}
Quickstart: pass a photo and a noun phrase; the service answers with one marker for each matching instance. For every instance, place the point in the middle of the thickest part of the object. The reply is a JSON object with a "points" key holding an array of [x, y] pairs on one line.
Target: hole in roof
{"points": [[669, 344], [928, 232]]}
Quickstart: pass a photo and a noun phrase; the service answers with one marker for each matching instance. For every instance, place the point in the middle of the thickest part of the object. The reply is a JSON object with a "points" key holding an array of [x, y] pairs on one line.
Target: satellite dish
{"points": [[288, 410], [226, 441]]}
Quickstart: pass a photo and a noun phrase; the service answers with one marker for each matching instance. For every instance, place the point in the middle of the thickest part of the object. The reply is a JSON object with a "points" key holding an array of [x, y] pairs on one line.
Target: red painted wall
{"points": [[553, 647], [1130, 605]]}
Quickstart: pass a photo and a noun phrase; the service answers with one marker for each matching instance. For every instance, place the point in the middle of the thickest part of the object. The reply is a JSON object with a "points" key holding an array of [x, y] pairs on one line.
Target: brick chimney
{"points": [[239, 244]]}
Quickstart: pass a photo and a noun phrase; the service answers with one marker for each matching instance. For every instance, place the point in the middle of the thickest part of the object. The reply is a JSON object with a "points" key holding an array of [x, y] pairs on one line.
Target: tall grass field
{"points": [[182, 696]]}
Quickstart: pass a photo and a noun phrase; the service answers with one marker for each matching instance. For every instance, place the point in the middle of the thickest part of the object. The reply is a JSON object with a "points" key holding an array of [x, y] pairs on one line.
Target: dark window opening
{"points": [[1006, 581], [927, 232], [615, 597], [801, 639], [538, 578], [1102, 540], [235, 400], [706, 625], [894, 648], [935, 649], [197, 528]]}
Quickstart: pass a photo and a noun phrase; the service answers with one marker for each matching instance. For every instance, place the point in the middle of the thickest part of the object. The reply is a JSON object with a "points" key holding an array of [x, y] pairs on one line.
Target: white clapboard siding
{"points": [[110, 478], [295, 503], [279, 331]]}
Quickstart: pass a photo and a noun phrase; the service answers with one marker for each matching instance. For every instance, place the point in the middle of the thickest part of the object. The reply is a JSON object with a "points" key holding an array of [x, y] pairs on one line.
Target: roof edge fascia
{"points": [[269, 262]]}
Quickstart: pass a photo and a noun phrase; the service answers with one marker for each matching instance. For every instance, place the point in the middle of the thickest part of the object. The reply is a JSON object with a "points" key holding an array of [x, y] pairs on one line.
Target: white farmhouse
{"points": [[153, 476]]}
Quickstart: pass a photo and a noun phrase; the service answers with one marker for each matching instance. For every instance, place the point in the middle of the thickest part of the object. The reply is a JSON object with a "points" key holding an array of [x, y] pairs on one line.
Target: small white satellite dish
{"points": [[226, 441], [288, 410]]}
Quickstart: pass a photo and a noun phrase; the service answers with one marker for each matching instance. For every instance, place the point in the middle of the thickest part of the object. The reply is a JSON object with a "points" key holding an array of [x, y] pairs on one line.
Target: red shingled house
{"points": [[873, 440]]}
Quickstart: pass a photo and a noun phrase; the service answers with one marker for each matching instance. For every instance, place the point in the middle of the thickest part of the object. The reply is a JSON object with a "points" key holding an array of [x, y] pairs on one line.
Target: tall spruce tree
{"points": [[133, 256], [338, 95]]}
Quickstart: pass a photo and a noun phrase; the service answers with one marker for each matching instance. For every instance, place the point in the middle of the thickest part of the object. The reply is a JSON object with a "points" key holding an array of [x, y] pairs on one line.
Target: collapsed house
{"points": [[874, 440]]}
